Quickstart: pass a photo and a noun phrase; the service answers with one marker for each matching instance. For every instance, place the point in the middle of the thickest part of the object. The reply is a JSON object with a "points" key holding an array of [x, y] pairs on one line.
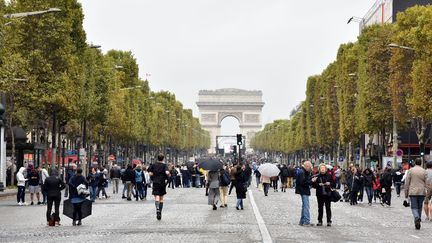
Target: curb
{"points": [[7, 194]]}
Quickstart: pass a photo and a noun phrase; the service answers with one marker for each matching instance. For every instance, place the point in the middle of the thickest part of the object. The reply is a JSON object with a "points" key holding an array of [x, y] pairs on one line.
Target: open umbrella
{"points": [[86, 208], [269, 170], [211, 165]]}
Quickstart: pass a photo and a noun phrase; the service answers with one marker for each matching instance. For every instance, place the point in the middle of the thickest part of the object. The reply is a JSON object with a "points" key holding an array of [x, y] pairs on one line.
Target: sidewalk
{"points": [[8, 193]]}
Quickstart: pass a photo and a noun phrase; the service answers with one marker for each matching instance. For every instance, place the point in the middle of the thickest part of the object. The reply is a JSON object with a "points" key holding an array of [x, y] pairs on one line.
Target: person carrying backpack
{"points": [[223, 186], [139, 183]]}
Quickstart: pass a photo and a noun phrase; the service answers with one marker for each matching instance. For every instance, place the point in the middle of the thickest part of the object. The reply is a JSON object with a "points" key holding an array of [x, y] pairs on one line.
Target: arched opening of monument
{"points": [[230, 126]]}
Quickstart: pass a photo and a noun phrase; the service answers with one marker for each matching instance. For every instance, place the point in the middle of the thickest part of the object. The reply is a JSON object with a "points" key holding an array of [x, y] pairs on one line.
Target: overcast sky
{"points": [[189, 45]]}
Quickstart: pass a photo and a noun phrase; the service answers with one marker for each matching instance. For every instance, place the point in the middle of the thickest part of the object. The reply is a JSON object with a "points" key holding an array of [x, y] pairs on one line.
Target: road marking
{"points": [[415, 236], [261, 224]]}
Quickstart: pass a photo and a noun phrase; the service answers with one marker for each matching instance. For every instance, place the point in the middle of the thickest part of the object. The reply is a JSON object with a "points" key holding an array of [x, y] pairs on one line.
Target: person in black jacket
{"points": [[241, 180], [284, 177], [129, 178], [323, 182], [386, 183], [53, 186], [356, 183], [368, 179], [303, 183]]}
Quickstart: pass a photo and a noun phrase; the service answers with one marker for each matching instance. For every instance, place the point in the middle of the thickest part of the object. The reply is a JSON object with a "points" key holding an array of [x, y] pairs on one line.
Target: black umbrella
{"points": [[86, 208], [211, 165]]}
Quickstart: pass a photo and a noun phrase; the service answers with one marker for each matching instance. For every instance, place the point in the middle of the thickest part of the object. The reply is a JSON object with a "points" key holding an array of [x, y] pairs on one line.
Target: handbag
{"points": [[335, 196]]}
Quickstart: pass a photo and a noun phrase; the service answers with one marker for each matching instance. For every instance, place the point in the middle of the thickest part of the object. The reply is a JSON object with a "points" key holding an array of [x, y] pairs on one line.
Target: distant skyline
{"points": [[190, 45]]}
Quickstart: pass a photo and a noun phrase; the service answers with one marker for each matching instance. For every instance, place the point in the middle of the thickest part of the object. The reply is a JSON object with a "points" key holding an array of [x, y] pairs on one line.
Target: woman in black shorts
{"points": [[159, 173]]}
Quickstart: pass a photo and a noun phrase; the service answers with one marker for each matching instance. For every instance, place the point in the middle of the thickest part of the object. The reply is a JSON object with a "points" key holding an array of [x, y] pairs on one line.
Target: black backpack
{"points": [[225, 179]]}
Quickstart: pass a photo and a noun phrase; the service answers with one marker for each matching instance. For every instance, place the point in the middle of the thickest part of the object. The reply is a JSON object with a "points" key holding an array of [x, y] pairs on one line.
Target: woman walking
{"points": [[265, 180], [213, 182], [241, 186], [159, 173], [139, 183], [76, 199], [323, 182]]}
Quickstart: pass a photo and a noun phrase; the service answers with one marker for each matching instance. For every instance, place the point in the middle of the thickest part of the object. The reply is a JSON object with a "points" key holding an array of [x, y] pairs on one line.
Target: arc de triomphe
{"points": [[215, 105]]}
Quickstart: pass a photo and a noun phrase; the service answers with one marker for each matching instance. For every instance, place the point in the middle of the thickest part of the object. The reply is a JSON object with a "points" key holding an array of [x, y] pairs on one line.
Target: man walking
{"points": [[415, 188], [303, 182], [52, 187], [115, 178]]}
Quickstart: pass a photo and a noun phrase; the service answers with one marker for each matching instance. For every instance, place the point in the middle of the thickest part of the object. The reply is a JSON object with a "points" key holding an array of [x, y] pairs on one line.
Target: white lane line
{"points": [[415, 236], [261, 224]]}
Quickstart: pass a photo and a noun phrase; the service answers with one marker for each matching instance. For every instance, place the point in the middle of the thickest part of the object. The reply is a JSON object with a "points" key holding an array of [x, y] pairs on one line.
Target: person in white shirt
{"points": [[21, 186]]}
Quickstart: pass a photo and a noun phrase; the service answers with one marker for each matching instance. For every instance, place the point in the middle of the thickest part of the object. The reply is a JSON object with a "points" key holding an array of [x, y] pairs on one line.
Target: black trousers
{"points": [[233, 182], [56, 201], [77, 213], [321, 202], [387, 196]]}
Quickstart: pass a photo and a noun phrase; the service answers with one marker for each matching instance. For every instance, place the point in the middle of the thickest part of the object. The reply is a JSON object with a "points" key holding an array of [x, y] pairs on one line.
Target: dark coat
{"points": [[53, 186], [368, 179], [284, 173], [356, 182], [241, 180], [74, 182], [386, 180], [303, 182], [323, 191], [92, 179], [129, 175], [115, 173]]}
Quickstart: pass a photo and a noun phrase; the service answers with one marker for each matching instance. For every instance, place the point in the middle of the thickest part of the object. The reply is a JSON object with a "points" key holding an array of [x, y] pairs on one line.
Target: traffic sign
{"points": [[399, 152]]}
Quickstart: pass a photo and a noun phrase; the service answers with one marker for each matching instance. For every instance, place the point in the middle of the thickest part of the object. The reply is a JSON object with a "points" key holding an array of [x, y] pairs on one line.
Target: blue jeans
{"points": [[92, 190], [21, 194], [139, 190], [416, 206], [305, 215], [239, 203], [398, 187], [369, 193], [197, 181]]}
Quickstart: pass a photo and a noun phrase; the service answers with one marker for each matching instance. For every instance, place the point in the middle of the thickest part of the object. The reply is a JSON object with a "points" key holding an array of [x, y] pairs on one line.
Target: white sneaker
{"points": [[19, 204]]}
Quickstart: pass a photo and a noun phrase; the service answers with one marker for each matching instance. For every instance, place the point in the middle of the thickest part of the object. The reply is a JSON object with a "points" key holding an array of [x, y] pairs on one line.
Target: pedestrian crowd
{"points": [[352, 183]]}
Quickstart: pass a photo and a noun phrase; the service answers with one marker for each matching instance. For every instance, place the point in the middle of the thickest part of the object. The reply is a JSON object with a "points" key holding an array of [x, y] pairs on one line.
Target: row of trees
{"points": [[53, 79], [374, 87]]}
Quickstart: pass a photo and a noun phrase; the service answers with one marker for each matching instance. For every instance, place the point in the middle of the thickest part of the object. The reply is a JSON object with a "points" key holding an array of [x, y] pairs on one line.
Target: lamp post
{"points": [[2, 152], [63, 135], [395, 127], [2, 107], [27, 14]]}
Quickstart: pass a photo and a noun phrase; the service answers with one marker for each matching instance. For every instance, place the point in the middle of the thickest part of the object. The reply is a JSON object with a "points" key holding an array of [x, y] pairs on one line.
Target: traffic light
{"points": [[234, 149], [239, 139]]}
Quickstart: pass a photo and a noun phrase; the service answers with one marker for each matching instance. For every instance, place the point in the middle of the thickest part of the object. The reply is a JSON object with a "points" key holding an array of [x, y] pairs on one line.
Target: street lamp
{"points": [[2, 162], [394, 45], [26, 14], [395, 128], [63, 137]]}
